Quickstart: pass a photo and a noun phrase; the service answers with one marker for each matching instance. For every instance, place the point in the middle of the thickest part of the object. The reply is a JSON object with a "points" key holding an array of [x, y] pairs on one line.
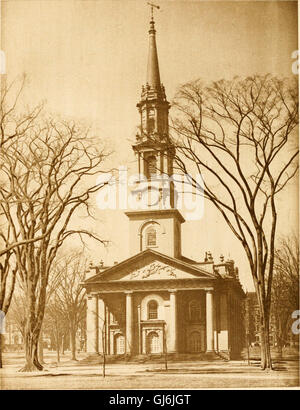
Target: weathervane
{"points": [[152, 6]]}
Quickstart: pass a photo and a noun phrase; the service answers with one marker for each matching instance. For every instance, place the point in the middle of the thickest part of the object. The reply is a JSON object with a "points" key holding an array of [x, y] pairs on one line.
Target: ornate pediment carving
{"points": [[158, 269]]}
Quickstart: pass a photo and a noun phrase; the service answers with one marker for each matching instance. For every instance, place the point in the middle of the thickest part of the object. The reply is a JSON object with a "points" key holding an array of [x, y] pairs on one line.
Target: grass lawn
{"points": [[180, 375]]}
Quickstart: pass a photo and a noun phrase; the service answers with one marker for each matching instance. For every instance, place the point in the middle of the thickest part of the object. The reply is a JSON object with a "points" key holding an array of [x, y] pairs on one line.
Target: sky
{"points": [[87, 60]]}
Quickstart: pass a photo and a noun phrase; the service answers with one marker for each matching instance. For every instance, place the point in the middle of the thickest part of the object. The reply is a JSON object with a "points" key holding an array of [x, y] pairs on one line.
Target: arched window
{"points": [[151, 236], [194, 311], [152, 309], [151, 166]]}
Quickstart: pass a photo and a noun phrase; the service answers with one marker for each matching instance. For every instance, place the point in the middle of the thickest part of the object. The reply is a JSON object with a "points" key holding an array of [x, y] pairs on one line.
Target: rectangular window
{"points": [[151, 239], [153, 314]]}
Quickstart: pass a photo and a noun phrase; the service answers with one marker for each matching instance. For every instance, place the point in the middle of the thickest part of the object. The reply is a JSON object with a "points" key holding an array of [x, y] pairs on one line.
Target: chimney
{"points": [[230, 267], [210, 258]]}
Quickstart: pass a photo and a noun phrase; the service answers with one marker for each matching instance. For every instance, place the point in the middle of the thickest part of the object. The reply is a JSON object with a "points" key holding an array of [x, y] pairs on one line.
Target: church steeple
{"points": [[152, 139], [153, 77], [157, 223]]}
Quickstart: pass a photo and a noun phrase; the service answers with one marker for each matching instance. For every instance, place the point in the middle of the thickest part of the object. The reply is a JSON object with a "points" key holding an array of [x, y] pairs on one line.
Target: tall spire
{"points": [[153, 105], [153, 77], [153, 146]]}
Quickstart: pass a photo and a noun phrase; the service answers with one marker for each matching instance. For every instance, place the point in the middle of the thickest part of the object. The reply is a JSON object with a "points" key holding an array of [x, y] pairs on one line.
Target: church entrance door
{"points": [[119, 344], [195, 342], [153, 343]]}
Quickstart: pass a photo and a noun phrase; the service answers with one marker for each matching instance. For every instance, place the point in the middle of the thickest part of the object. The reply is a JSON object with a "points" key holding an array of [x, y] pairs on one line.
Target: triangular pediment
{"points": [[150, 265]]}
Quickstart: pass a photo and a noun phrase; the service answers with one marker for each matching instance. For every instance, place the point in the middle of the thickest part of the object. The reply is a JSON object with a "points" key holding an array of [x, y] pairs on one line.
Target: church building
{"points": [[158, 301]]}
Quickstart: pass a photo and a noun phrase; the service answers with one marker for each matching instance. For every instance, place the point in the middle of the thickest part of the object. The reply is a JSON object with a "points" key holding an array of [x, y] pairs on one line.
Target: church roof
{"points": [[121, 269], [148, 213]]}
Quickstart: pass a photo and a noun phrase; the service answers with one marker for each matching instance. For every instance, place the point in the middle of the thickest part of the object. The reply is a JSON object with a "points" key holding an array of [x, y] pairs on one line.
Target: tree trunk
{"points": [[104, 365], [165, 347], [1, 347], [266, 361], [63, 345], [57, 352], [104, 348], [73, 343], [41, 349], [57, 345], [33, 324], [31, 352], [279, 349]]}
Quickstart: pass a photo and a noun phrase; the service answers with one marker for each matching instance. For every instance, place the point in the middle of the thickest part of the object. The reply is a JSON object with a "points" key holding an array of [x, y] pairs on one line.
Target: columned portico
{"points": [[209, 321], [92, 324], [129, 322], [173, 322]]}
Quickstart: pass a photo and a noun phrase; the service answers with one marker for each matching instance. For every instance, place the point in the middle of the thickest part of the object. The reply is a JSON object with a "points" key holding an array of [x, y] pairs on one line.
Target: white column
{"points": [[216, 341], [144, 164], [156, 120], [129, 317], [161, 162], [173, 323], [92, 324], [209, 321], [144, 336], [223, 331], [139, 163], [166, 164], [139, 330], [101, 323], [107, 336]]}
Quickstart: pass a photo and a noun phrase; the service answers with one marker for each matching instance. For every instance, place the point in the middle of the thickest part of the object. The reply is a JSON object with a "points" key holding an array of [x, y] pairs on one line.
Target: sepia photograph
{"points": [[149, 197]]}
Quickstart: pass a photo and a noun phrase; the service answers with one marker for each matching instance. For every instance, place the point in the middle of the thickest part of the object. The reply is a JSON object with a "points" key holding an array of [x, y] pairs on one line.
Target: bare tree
{"points": [[241, 137], [53, 283], [49, 174], [8, 272], [70, 295], [17, 307], [17, 312], [56, 322], [13, 125], [285, 288]]}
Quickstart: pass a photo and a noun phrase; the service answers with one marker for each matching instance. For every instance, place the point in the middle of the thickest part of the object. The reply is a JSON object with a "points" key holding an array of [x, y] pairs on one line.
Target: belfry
{"points": [[157, 301]]}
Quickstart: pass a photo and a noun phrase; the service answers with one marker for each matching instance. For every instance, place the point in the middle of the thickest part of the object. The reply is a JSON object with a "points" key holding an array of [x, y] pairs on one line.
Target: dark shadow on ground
{"points": [[195, 371]]}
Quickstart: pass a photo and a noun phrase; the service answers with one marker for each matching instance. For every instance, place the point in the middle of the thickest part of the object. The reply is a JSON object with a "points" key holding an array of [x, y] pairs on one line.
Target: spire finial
{"points": [[153, 78], [152, 6]]}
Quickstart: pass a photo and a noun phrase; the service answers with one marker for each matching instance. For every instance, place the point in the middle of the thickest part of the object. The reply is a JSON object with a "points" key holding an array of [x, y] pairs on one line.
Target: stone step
{"points": [[159, 358]]}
